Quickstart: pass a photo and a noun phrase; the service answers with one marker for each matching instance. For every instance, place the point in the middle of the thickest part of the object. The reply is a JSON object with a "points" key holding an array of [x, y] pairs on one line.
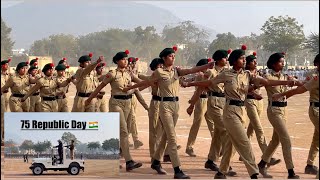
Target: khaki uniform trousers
{"points": [[233, 120], [78, 105], [314, 149], [49, 106], [6, 97], [278, 117], [101, 104], [35, 104], [63, 105], [17, 106], [214, 118], [154, 126], [200, 109], [254, 110], [169, 114], [123, 107], [133, 130]]}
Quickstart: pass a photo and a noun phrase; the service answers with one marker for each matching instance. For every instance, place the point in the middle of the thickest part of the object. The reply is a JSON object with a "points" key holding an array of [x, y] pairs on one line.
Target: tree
{"points": [[313, 43], [27, 145], [111, 145], [94, 145], [223, 41], [40, 147], [67, 137], [6, 42], [192, 38], [147, 43], [57, 46], [282, 34]]}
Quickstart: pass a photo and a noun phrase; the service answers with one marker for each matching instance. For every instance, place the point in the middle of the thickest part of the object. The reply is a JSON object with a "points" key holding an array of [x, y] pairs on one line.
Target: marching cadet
{"points": [[66, 73], [35, 100], [214, 114], [236, 86], [313, 87], [34, 62], [4, 95], [254, 106], [61, 92], [133, 126], [19, 84], [84, 84], [168, 83], [200, 109], [101, 103], [120, 101], [153, 113], [277, 115], [48, 86]]}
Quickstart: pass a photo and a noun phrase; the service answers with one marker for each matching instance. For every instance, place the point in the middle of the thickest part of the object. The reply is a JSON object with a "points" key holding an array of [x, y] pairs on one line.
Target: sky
{"points": [[245, 16], [108, 126]]}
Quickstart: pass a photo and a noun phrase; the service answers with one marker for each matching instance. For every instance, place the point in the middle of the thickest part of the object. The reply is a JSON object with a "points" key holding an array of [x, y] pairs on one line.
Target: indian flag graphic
{"points": [[93, 125]]}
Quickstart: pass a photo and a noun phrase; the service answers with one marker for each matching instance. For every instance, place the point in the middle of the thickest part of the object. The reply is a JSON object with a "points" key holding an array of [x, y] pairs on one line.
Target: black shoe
{"points": [[263, 171], [311, 170], [190, 152], [133, 165], [231, 172], [181, 175], [254, 176], [166, 158], [273, 161], [219, 175], [294, 177], [158, 168], [211, 166]]}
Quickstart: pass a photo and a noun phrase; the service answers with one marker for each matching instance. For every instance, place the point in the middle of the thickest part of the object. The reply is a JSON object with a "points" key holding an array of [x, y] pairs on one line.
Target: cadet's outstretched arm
{"points": [[96, 91], [31, 91], [140, 99], [183, 72], [292, 92]]}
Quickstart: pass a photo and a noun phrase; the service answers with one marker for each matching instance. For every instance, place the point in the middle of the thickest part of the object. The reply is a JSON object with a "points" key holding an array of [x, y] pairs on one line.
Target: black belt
{"points": [[236, 103], [170, 98], [203, 96], [156, 98], [278, 104], [6, 91], [124, 97], [36, 94], [250, 97], [49, 98], [61, 97], [84, 94], [18, 95], [316, 104], [212, 93]]}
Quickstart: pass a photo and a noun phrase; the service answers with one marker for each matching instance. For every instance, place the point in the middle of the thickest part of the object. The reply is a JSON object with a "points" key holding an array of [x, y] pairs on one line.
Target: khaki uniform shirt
{"points": [[211, 74], [85, 79], [119, 79], [276, 89], [18, 84], [168, 81], [236, 84], [313, 87]]}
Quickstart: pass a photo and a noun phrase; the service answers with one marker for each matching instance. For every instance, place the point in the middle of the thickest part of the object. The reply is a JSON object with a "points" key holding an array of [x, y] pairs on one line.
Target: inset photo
{"points": [[60, 145]]}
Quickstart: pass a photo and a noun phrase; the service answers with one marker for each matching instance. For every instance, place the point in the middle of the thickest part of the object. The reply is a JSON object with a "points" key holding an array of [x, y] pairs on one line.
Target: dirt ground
{"points": [[298, 123]]}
